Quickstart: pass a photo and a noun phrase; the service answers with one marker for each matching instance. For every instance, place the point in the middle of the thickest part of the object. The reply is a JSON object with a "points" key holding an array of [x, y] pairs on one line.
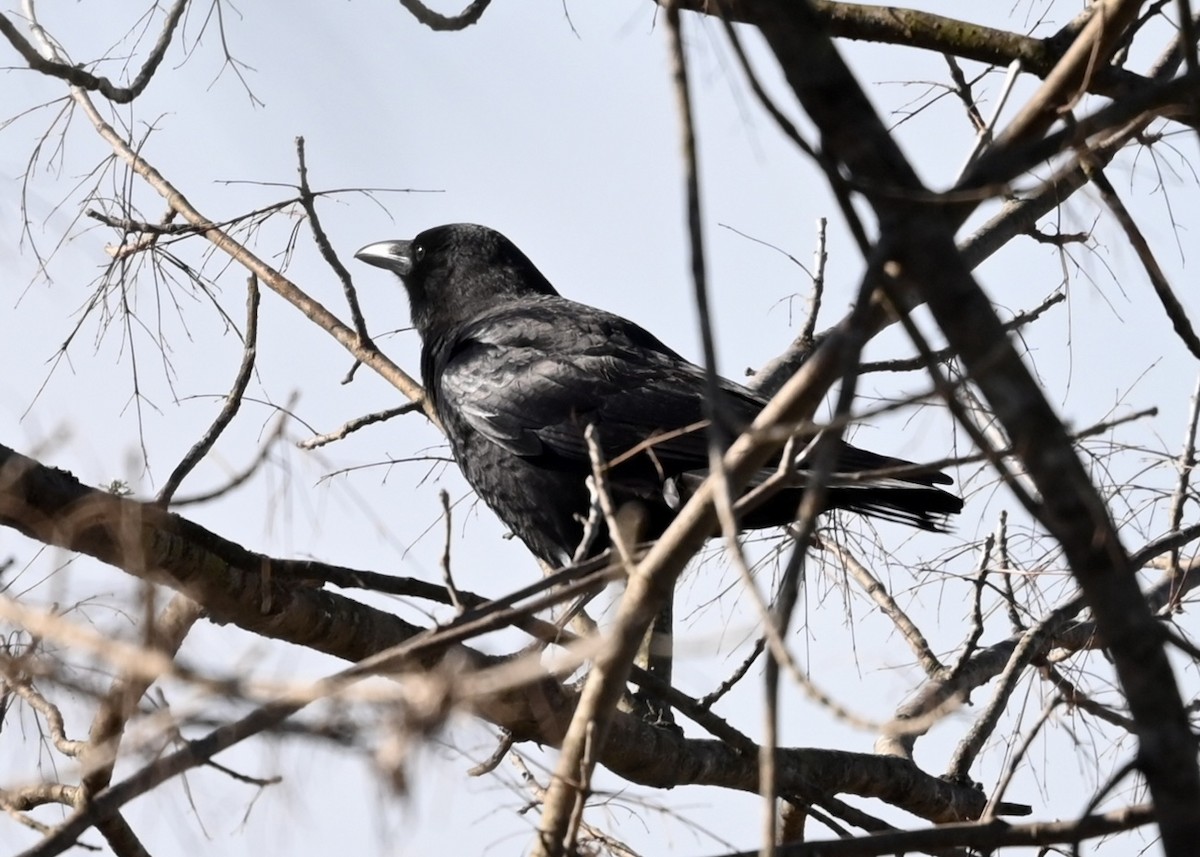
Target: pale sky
{"points": [[554, 123]]}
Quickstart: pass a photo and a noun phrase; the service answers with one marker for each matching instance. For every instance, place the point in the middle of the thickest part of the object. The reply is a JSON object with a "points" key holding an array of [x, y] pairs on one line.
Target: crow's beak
{"points": [[394, 256]]}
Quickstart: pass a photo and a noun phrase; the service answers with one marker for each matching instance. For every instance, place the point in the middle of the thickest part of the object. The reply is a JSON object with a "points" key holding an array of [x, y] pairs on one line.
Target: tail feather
{"points": [[925, 508], [851, 459], [911, 498]]}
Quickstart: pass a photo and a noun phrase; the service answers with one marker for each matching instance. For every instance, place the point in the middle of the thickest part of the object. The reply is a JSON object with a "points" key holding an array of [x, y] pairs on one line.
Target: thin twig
{"points": [[879, 594], [942, 355], [710, 699], [605, 683], [233, 401], [308, 202], [447, 574], [976, 632], [1014, 763], [1186, 464], [1072, 697], [351, 426], [493, 761], [617, 534], [1032, 643], [1158, 279], [77, 76], [986, 129], [222, 240]]}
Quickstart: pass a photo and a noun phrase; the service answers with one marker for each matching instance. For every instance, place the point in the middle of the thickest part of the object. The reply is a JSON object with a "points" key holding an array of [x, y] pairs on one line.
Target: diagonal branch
{"points": [[918, 237], [365, 352], [1073, 74], [238, 586], [1158, 279]]}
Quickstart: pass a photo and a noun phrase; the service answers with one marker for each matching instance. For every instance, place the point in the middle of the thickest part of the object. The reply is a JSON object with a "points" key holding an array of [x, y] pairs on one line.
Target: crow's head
{"points": [[453, 273]]}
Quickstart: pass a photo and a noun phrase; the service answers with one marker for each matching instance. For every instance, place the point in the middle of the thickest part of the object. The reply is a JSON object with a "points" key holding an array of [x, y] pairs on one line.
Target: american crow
{"points": [[516, 373]]}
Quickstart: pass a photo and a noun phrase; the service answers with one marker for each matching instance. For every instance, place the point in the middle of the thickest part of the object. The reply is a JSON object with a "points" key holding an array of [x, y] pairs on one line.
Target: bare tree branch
{"points": [[937, 33], [435, 21], [233, 585], [76, 76], [923, 250], [993, 834]]}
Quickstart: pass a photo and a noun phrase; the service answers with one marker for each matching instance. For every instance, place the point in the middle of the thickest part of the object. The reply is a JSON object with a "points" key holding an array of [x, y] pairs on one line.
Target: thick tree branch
{"points": [[919, 238], [914, 28], [239, 586], [984, 837]]}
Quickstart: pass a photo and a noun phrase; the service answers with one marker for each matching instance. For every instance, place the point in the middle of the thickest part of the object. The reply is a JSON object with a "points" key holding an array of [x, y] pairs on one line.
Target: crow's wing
{"points": [[531, 377]]}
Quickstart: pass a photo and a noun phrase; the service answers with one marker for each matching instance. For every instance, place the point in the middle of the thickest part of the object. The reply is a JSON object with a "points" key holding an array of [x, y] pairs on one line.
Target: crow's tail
{"points": [[871, 484]]}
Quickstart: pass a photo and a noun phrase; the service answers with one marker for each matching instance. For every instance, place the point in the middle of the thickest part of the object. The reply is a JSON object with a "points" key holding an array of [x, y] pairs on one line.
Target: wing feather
{"points": [[532, 387]]}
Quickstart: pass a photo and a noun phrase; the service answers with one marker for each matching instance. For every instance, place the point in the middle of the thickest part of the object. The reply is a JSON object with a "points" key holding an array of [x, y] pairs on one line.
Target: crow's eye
{"points": [[418, 252]]}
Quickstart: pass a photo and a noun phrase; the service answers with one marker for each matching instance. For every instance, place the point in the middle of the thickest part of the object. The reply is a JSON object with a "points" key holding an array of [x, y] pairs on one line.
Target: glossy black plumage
{"points": [[516, 373]]}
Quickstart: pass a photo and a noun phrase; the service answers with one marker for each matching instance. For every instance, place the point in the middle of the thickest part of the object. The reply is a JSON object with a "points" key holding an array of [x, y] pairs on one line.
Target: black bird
{"points": [[517, 372]]}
